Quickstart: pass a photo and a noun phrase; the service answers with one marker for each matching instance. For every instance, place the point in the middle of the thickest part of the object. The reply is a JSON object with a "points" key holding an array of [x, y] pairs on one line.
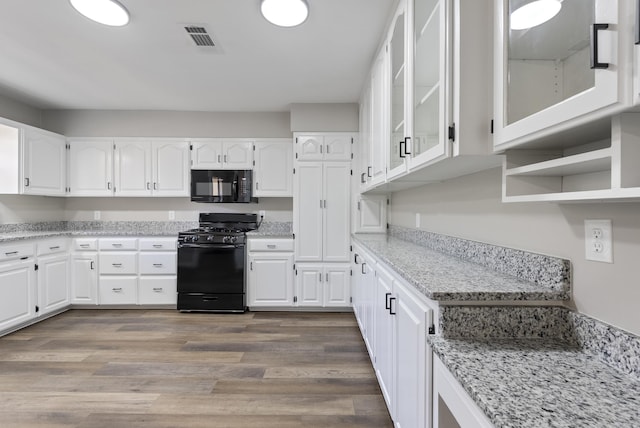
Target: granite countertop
{"points": [[272, 230], [540, 383], [20, 236], [442, 277]]}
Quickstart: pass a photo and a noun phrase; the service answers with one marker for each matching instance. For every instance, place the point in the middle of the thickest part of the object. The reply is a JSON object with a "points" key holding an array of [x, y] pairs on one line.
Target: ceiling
{"points": [[54, 58]]}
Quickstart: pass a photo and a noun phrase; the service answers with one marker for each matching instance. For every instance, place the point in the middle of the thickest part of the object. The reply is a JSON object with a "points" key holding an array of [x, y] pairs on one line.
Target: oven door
{"points": [[211, 268], [221, 186]]}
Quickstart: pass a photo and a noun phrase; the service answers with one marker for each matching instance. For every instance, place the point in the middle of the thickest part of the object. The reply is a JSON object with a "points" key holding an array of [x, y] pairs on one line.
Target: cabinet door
{"points": [[385, 336], [273, 170], [270, 279], [368, 289], [336, 212], [379, 129], [207, 155], [171, 169], [309, 284], [17, 300], [371, 214], [84, 278], [133, 168], [157, 290], [397, 78], [53, 283], [237, 154], [118, 290], [337, 147], [550, 76], [307, 211], [45, 166], [337, 285], [309, 148], [364, 141], [91, 168], [412, 322], [429, 141]]}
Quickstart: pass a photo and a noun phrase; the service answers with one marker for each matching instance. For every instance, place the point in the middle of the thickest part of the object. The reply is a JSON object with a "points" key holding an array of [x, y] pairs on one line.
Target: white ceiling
{"points": [[53, 58]]}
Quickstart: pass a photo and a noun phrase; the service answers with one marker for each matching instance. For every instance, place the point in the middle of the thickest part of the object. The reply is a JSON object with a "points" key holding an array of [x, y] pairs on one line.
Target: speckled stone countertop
{"points": [[443, 277], [272, 230], [541, 383]]}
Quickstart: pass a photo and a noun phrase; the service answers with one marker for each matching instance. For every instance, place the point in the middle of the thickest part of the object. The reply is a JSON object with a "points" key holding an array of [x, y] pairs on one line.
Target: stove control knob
{"points": [[226, 239], [233, 239], [194, 238], [210, 238]]}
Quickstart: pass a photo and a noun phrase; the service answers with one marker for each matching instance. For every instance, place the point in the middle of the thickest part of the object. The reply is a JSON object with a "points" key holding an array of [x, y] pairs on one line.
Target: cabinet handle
{"points": [[11, 253], [369, 168], [271, 246], [362, 177], [117, 290], [407, 141], [358, 205], [108, 185], [157, 289], [327, 149], [84, 245], [157, 245], [355, 258], [218, 158], [91, 265], [320, 148], [26, 182], [55, 248], [155, 186], [362, 268], [391, 310], [325, 203], [387, 303], [148, 186], [400, 147], [116, 265], [326, 277], [225, 158], [158, 265], [320, 203], [251, 266], [257, 186], [595, 29], [116, 245], [638, 22], [320, 276]]}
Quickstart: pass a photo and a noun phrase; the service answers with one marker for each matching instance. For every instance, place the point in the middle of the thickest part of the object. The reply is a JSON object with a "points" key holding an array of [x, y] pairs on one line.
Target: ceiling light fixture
{"points": [[107, 12], [535, 13], [285, 13]]}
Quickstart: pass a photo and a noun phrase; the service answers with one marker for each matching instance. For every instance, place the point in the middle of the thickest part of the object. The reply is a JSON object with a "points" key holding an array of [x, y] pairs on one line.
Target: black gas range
{"points": [[211, 263]]}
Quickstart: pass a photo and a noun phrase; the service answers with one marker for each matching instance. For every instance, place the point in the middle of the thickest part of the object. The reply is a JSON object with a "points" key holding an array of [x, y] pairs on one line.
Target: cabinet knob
{"points": [[117, 290]]}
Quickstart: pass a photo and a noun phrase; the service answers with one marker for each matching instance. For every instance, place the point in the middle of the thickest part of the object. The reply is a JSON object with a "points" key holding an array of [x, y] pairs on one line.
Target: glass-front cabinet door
{"points": [[397, 63], [429, 84], [559, 70]]}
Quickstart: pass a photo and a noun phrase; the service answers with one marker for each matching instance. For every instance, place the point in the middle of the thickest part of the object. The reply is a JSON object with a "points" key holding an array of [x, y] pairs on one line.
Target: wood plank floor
{"points": [[158, 368]]}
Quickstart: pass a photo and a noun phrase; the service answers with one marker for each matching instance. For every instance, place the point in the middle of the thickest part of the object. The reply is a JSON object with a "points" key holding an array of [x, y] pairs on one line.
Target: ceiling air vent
{"points": [[199, 35]]}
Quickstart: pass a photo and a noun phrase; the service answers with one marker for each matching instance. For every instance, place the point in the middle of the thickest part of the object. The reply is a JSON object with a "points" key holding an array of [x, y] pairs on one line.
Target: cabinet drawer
{"points": [[271, 245], [158, 244], [157, 263], [85, 244], [123, 263], [16, 251], [157, 290], [118, 290], [118, 244], [51, 246]]}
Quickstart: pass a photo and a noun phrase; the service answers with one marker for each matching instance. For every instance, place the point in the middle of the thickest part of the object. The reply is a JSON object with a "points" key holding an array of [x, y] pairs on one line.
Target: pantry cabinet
{"points": [[232, 153], [273, 168], [323, 284], [323, 147], [569, 71], [90, 167]]}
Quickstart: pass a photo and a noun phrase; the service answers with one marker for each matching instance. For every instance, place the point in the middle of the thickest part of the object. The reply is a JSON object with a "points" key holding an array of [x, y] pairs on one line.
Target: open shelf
{"points": [[583, 163]]}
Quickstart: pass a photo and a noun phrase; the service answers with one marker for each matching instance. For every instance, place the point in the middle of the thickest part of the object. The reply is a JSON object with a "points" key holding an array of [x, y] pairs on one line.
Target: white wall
{"points": [[20, 112], [324, 117], [470, 208], [30, 209]]}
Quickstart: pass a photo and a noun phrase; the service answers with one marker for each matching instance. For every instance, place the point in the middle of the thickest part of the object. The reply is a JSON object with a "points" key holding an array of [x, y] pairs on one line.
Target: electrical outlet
{"points": [[96, 215], [172, 215], [598, 240], [417, 220], [261, 214]]}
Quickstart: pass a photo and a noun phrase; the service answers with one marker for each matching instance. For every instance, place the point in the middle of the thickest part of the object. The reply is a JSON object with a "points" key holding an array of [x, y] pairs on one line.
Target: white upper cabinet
{"points": [[566, 72], [170, 160], [273, 168], [133, 168], [222, 154], [326, 146], [90, 168], [45, 166]]}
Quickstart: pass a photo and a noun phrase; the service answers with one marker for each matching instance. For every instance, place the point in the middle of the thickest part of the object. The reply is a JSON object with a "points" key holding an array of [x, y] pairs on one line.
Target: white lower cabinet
{"points": [[395, 321], [158, 268], [118, 290], [323, 284], [84, 271], [270, 277], [157, 290], [118, 271], [53, 275], [17, 285], [452, 405]]}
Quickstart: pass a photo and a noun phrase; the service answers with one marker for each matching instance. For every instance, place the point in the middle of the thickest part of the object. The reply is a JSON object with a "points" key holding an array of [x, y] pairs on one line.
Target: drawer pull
{"points": [[57, 247], [84, 245], [117, 290], [157, 245], [158, 265], [271, 246], [116, 264], [116, 245], [11, 253], [157, 289]]}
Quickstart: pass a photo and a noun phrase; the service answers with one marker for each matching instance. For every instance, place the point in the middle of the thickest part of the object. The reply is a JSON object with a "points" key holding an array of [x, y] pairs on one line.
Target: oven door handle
{"points": [[222, 247]]}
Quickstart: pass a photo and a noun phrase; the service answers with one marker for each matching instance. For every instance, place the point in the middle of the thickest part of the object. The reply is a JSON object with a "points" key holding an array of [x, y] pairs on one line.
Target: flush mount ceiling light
{"points": [[285, 13], [535, 13], [107, 12]]}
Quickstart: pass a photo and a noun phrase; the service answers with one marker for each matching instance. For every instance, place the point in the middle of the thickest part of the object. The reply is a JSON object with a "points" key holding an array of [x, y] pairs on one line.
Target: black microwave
{"points": [[219, 185]]}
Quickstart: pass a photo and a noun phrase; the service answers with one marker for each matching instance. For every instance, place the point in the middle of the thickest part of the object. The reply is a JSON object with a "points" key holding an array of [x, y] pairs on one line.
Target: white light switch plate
{"points": [[598, 240]]}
